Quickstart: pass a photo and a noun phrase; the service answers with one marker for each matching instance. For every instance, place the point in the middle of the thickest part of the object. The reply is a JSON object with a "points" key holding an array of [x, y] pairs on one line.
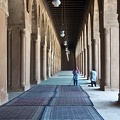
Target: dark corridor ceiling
{"points": [[70, 13]]}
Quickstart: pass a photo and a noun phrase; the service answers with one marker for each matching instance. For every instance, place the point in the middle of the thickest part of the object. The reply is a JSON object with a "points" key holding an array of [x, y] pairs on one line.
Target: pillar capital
{"points": [[95, 41], [36, 41], [9, 31], [23, 32]]}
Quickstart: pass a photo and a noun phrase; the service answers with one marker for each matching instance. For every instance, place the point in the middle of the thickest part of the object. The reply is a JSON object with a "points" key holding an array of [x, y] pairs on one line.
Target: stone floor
{"points": [[105, 102]]}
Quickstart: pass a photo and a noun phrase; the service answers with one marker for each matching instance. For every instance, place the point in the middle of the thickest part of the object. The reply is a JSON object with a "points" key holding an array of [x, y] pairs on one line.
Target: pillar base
{"points": [[45, 78], [119, 97], [3, 98], [36, 82], [107, 88], [18, 89], [88, 78]]}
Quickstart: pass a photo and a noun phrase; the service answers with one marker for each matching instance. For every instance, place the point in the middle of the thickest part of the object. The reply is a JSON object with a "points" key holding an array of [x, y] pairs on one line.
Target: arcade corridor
{"points": [[38, 40], [104, 102]]}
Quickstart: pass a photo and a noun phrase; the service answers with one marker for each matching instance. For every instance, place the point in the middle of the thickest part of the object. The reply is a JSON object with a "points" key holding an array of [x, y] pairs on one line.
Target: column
{"points": [[90, 58], [107, 57], [81, 59], [95, 54], [99, 60], [85, 62], [9, 58], [37, 60], [23, 39], [119, 47], [44, 61], [49, 63]]}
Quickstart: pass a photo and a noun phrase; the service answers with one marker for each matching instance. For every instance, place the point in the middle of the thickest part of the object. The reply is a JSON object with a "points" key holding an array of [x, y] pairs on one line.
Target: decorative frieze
{"points": [[4, 6]]}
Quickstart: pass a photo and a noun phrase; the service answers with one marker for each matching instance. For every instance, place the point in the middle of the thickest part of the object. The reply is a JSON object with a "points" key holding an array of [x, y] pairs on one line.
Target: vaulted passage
{"points": [[34, 48]]}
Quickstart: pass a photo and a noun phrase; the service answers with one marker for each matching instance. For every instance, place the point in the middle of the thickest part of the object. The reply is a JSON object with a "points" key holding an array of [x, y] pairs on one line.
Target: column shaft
{"points": [[9, 58], [90, 58], [37, 61], [23, 39], [45, 60], [95, 56], [107, 56], [49, 62], [85, 62]]}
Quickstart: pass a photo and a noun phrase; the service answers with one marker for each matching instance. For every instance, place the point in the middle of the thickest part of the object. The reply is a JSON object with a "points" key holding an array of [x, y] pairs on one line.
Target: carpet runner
{"points": [[71, 94], [20, 112], [43, 88], [69, 88], [29, 101], [51, 102], [71, 102], [37, 94], [70, 113]]}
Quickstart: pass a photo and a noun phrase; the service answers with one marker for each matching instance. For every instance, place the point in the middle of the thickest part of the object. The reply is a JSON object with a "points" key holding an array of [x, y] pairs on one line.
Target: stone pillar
{"points": [[95, 56], [49, 63], [90, 58], [37, 61], [118, 2], [44, 61], [107, 57], [53, 63], [85, 62], [81, 59], [9, 58], [99, 60], [3, 54], [79, 62], [23, 39]]}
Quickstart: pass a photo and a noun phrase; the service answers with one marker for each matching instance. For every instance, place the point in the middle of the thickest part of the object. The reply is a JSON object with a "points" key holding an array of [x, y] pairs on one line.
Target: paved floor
{"points": [[105, 102]]}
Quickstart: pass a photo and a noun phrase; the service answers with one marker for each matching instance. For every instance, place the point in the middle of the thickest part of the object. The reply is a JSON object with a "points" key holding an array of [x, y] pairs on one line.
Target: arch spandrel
{"points": [[96, 20]]}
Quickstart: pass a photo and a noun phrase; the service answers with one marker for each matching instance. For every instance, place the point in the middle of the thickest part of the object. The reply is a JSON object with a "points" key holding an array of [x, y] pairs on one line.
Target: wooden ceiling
{"points": [[70, 13]]}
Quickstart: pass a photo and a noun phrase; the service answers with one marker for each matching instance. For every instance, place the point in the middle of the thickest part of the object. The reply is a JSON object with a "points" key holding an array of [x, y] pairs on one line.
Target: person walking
{"points": [[93, 77], [76, 73]]}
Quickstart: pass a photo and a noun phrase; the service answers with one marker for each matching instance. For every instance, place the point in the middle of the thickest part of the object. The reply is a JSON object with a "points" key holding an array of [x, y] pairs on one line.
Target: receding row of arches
{"points": [[30, 51], [98, 44], [30, 48]]}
